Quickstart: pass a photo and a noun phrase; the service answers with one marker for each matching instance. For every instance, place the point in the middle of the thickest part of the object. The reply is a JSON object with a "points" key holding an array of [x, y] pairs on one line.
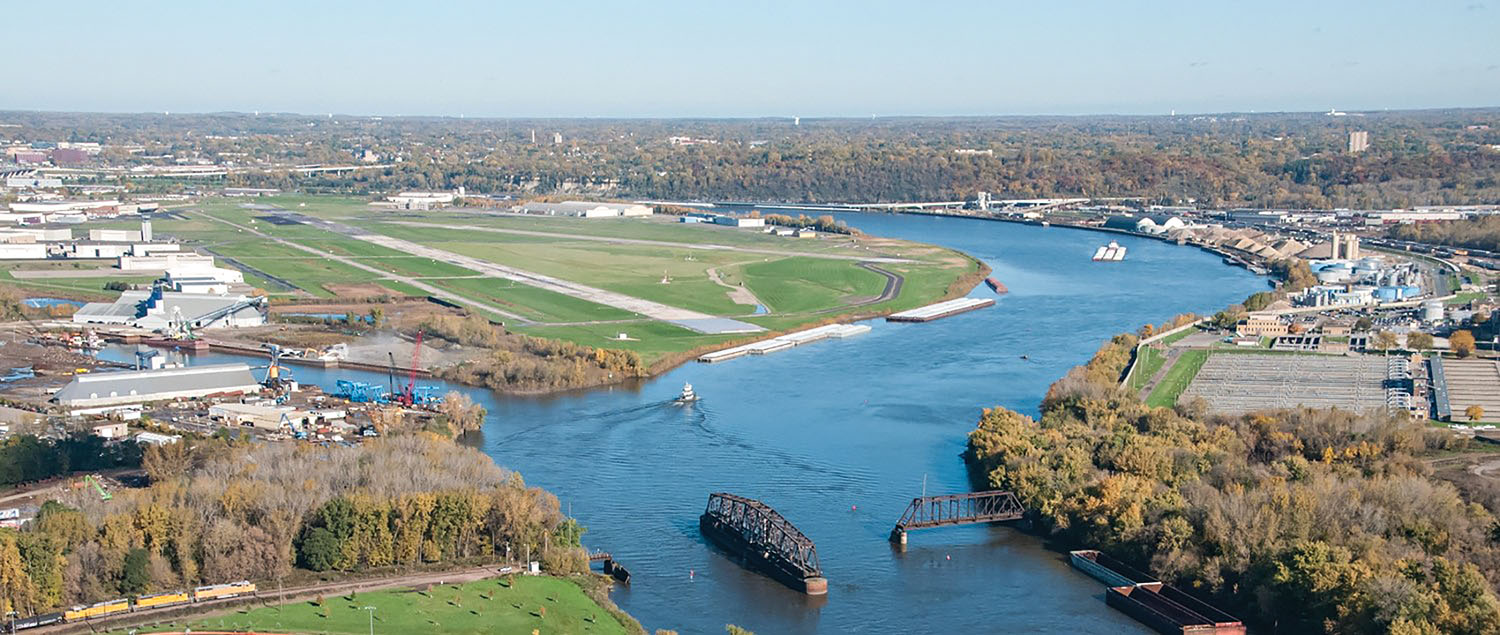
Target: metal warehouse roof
{"points": [[149, 385]]}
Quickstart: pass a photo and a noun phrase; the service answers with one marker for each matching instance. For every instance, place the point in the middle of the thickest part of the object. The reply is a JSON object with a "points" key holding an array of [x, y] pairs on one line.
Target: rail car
{"points": [[35, 621], [162, 599], [98, 609], [123, 605], [214, 592]]}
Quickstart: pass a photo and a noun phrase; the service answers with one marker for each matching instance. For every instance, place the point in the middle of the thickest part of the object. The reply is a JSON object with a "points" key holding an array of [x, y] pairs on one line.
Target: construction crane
{"points": [[275, 370], [103, 495], [408, 396], [178, 327]]}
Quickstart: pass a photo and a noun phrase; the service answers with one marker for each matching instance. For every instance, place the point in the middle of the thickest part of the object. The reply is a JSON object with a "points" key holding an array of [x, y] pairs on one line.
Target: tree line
{"points": [[1476, 233], [1294, 520], [1261, 160], [222, 511], [25, 458]]}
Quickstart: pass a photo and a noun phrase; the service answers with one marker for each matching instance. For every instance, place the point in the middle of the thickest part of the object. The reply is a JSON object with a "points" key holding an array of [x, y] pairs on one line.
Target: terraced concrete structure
{"points": [[1471, 382], [1236, 383]]}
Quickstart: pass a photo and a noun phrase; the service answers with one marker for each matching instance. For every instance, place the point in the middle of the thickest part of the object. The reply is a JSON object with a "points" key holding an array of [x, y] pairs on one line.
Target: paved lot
{"points": [[1236, 383]]}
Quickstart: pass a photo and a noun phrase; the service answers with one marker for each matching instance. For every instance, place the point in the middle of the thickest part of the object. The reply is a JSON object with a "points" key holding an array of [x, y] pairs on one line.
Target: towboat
{"points": [[687, 396]]}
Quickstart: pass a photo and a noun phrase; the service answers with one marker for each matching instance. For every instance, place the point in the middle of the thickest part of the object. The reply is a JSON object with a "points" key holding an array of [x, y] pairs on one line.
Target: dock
{"points": [[783, 342], [941, 310]]}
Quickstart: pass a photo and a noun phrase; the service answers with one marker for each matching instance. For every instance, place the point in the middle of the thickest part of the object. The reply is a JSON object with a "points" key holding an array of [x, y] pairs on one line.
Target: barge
{"points": [[764, 541], [1171, 611], [783, 342], [996, 286], [941, 310], [1160, 606]]}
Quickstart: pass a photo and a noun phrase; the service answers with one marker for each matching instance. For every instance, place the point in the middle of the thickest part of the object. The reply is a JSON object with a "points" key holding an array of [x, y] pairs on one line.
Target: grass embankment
{"points": [[514, 605], [1181, 374]]}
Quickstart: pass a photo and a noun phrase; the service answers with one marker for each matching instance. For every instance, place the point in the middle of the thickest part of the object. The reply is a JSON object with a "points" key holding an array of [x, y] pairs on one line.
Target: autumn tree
{"points": [[1383, 341], [462, 413], [1419, 341], [1474, 412], [1462, 343], [167, 461]]}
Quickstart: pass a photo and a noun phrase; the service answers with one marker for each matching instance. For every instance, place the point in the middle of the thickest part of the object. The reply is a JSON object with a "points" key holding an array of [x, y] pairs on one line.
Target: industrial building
{"points": [[97, 390], [164, 261], [1254, 326], [212, 280], [1151, 224], [262, 416], [34, 251], [584, 209], [739, 221], [160, 310], [420, 200]]}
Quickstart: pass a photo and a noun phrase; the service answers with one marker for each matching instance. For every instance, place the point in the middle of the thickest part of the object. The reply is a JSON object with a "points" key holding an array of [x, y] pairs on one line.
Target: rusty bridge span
{"points": [[765, 540], [957, 509]]}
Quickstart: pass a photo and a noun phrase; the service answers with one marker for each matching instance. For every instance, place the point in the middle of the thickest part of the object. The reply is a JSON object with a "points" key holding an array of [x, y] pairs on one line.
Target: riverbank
{"points": [[511, 604], [838, 436], [1169, 490]]}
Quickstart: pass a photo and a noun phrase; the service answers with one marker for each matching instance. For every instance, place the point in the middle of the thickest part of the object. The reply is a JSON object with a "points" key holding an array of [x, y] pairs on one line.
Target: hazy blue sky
{"points": [[722, 58]]}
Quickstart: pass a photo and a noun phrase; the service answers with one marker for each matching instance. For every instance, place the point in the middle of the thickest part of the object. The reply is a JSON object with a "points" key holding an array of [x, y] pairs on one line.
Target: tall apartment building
{"points": [[1359, 141]]}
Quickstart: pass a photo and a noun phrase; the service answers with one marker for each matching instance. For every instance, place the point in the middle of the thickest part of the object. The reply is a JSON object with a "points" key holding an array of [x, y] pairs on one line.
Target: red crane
{"points": [[409, 394]]}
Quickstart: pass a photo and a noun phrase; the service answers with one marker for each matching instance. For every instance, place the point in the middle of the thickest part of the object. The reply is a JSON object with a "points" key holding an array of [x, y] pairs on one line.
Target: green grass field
{"points": [[1181, 374], [549, 605], [1146, 364], [85, 288], [532, 302], [653, 340], [796, 285]]}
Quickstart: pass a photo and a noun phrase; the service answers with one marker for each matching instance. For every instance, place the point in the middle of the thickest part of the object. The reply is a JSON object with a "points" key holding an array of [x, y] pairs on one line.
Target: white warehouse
{"points": [[585, 209]]}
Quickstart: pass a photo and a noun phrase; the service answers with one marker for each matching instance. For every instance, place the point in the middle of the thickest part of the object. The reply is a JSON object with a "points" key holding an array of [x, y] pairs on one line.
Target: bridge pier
{"points": [[898, 536]]}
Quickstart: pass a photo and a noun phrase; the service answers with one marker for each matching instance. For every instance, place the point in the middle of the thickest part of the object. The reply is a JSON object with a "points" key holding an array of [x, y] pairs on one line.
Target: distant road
{"points": [[654, 243]]}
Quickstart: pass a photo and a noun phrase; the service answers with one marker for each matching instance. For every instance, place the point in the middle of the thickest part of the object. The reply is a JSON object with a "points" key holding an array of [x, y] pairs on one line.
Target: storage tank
{"points": [[1432, 311]]}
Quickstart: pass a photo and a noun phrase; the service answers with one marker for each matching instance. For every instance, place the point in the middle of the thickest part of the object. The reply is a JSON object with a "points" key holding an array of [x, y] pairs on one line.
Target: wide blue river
{"points": [[839, 436]]}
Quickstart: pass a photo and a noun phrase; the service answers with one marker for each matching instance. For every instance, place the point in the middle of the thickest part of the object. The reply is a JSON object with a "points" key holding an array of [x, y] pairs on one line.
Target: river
{"points": [[839, 436]]}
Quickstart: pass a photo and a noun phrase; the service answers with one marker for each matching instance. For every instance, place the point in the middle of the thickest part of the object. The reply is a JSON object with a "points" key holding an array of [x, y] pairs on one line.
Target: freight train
{"points": [[131, 605]]}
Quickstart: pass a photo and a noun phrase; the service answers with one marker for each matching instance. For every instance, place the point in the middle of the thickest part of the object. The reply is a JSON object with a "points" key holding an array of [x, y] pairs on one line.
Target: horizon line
{"points": [[874, 116]]}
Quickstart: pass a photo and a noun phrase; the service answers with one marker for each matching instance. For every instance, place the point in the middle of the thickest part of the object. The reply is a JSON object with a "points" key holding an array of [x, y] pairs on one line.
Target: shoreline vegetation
{"points": [[219, 510], [1293, 520]]}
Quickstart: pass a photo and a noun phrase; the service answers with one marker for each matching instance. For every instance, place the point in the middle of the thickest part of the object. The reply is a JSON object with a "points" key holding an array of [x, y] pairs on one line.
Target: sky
{"points": [[720, 58]]}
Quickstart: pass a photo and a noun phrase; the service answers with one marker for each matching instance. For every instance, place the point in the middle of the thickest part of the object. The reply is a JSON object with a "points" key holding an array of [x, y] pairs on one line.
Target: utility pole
{"points": [[371, 609]]}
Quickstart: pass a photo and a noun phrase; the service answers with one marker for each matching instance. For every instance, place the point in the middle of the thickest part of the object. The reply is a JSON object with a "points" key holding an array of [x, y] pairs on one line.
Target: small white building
{"points": [[153, 438], [421, 200], [111, 430], [211, 280], [739, 221], [97, 250], [115, 235]]}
